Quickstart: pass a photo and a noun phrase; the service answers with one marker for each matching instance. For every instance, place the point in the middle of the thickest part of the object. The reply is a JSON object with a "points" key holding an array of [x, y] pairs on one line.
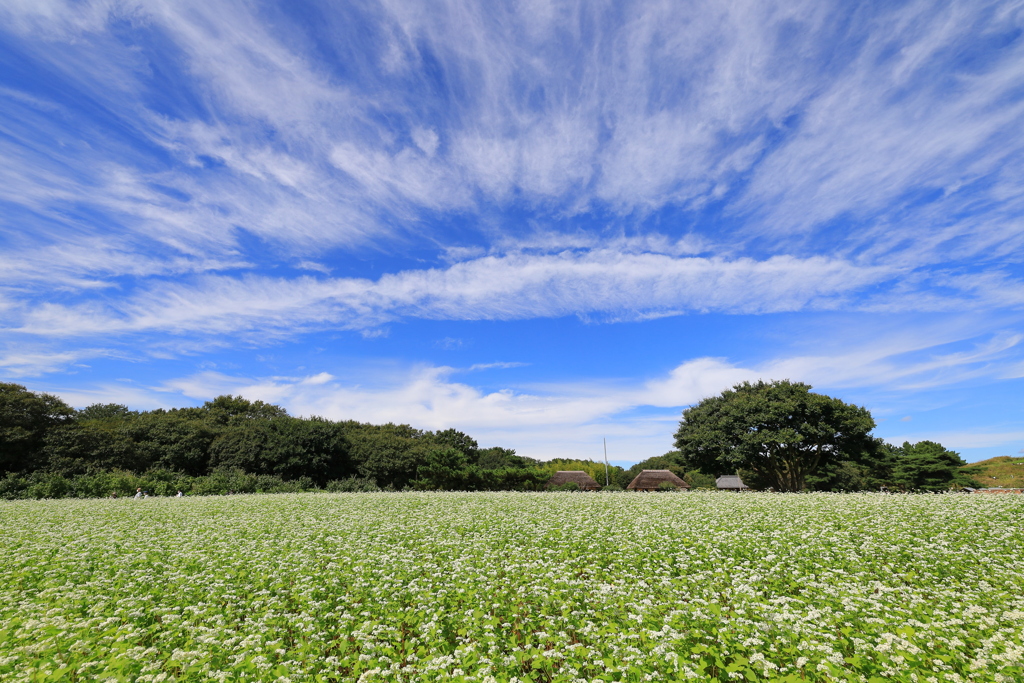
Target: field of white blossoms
{"points": [[514, 587]]}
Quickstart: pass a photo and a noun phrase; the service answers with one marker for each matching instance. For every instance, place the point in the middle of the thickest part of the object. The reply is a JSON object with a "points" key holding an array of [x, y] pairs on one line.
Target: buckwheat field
{"points": [[514, 587]]}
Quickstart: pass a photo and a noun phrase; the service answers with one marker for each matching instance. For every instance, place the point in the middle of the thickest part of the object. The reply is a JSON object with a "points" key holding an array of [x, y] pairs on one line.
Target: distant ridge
{"points": [[1004, 470]]}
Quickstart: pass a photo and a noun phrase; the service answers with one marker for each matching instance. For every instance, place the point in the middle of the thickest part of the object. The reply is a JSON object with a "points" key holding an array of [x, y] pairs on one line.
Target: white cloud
{"points": [[813, 157], [400, 177], [133, 396], [692, 381], [496, 366], [539, 425], [426, 139], [56, 18], [831, 113], [449, 343], [313, 265], [564, 419], [516, 286], [912, 119], [85, 264], [30, 363]]}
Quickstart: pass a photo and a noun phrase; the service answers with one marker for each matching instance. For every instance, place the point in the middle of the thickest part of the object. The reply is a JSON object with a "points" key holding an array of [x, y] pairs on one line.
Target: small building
{"points": [[584, 480], [652, 480], [731, 482]]}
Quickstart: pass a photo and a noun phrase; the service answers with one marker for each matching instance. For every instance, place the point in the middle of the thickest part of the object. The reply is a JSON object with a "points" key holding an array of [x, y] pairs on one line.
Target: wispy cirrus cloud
{"points": [[596, 285], [166, 167], [789, 115], [31, 363], [519, 286]]}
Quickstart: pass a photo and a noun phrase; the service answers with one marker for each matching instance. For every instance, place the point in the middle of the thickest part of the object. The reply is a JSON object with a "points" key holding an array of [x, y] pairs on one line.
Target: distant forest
{"points": [[233, 445], [230, 444]]}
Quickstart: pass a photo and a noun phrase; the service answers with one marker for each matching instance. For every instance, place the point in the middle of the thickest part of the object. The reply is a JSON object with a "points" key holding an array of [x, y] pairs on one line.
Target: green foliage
{"points": [[928, 466], [173, 440], [232, 444], [453, 438], [156, 483], [925, 466], [209, 445], [105, 412], [25, 418], [508, 479], [497, 458], [872, 471], [389, 454], [234, 409], [351, 485], [616, 475], [842, 475], [284, 446], [443, 469], [79, 447], [451, 470], [779, 431], [699, 480]]}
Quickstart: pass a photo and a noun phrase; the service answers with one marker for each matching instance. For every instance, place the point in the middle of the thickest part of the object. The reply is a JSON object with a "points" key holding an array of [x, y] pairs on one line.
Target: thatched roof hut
{"points": [[651, 480], [731, 482], [585, 481]]}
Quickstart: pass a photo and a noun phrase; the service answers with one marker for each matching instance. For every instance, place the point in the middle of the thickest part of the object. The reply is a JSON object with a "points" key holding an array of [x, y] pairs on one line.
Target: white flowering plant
{"points": [[502, 587]]}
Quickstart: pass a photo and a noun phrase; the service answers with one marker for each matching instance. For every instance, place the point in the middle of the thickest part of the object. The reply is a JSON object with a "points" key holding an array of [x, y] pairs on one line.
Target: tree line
{"points": [[49, 449], [776, 435]]}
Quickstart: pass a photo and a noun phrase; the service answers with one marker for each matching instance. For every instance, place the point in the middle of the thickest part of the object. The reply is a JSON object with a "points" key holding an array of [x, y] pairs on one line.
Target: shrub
{"points": [[352, 485], [12, 487]]}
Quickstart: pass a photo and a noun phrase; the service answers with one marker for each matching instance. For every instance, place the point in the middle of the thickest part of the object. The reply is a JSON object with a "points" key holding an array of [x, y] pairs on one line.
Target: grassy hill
{"points": [[1001, 471]]}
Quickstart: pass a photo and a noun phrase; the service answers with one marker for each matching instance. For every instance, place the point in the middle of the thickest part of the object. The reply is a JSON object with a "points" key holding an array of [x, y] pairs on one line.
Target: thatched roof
{"points": [[650, 480], [573, 477], [731, 482]]}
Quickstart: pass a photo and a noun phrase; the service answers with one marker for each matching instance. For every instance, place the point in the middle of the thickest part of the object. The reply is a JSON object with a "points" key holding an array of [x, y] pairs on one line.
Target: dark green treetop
{"points": [[928, 466], [25, 417], [780, 431]]}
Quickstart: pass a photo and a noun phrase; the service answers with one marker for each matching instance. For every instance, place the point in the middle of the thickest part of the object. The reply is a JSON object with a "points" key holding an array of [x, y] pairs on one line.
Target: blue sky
{"points": [[540, 223]]}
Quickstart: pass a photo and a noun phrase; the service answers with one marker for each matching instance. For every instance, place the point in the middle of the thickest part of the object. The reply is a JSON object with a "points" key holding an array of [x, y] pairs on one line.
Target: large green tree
{"points": [[234, 409], [174, 440], [928, 466], [284, 446], [779, 431], [447, 469], [389, 454], [25, 418], [81, 447], [496, 458]]}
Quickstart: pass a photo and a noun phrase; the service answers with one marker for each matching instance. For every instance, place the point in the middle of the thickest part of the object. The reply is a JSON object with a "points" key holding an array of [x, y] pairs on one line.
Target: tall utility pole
{"points": [[605, 442]]}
